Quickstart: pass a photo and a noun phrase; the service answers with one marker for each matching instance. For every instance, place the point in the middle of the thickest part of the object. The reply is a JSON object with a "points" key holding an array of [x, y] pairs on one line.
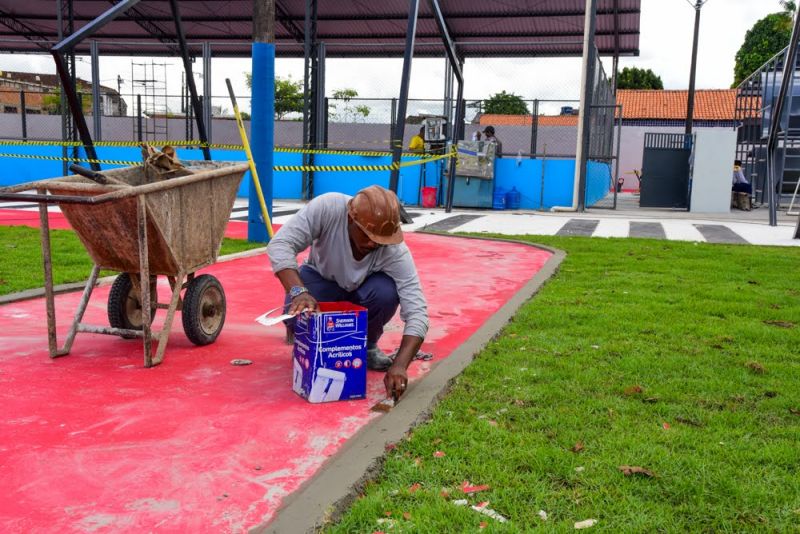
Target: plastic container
{"points": [[428, 197], [513, 199], [499, 199]]}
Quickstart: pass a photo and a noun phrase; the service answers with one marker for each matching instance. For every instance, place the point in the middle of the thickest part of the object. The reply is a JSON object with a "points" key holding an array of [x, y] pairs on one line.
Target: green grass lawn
{"points": [[680, 358], [21, 265]]}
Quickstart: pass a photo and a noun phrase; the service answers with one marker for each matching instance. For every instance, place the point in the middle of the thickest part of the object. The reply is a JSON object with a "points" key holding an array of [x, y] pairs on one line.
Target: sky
{"points": [[665, 47]]}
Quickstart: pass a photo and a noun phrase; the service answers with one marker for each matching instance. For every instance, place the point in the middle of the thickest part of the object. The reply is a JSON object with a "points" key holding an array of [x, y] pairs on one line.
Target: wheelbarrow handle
{"points": [[95, 176]]}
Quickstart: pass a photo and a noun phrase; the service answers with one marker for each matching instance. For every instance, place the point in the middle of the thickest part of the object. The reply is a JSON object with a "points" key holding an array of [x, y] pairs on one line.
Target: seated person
{"points": [[740, 183]]}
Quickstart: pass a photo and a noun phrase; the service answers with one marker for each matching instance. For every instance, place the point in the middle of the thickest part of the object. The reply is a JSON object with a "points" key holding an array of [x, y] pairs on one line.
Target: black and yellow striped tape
{"points": [[84, 160], [276, 168], [199, 144]]}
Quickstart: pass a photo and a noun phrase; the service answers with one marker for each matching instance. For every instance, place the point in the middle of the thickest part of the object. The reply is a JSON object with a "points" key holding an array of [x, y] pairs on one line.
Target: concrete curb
{"points": [[78, 286], [324, 497]]}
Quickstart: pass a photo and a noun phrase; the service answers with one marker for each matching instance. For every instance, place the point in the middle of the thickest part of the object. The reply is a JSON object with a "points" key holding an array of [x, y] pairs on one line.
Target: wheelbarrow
{"points": [[143, 228]]}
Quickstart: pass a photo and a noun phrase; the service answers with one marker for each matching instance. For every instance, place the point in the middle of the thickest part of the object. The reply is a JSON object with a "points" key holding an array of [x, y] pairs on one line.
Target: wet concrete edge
{"points": [[324, 497]]}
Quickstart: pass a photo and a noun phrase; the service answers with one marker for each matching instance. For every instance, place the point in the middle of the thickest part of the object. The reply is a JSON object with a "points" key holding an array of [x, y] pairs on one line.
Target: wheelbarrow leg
{"points": [[87, 292], [44, 232], [163, 336], [144, 281]]}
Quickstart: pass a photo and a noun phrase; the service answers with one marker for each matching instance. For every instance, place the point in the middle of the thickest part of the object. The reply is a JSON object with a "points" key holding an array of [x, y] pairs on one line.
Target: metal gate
{"points": [[665, 171]]}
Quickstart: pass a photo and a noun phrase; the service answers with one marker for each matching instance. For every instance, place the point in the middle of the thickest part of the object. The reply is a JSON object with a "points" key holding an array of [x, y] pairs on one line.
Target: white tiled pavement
{"points": [[680, 226]]}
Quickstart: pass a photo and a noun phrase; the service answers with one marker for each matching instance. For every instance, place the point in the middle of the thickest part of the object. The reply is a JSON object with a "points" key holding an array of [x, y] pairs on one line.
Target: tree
{"points": [[766, 38], [505, 104], [636, 78], [288, 95], [51, 102], [347, 111]]}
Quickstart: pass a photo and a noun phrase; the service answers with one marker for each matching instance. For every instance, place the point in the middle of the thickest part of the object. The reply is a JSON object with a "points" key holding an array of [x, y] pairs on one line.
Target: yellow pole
{"points": [[249, 154]]}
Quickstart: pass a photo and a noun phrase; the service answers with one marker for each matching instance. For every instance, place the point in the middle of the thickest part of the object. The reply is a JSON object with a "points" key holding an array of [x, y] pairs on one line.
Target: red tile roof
{"points": [[709, 104]]}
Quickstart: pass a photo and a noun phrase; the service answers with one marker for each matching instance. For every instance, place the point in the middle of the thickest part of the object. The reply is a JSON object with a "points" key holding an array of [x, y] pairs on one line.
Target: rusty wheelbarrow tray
{"points": [[171, 227]]}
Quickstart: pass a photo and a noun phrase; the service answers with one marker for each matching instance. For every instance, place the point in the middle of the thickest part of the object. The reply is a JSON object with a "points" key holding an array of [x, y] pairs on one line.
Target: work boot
{"points": [[377, 360]]}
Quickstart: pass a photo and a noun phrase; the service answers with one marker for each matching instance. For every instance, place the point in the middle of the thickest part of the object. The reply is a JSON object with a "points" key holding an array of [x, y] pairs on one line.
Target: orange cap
{"points": [[377, 212]]}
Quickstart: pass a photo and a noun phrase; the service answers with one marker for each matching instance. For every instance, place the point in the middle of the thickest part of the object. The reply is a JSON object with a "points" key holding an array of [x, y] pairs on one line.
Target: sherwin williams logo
{"points": [[341, 323]]}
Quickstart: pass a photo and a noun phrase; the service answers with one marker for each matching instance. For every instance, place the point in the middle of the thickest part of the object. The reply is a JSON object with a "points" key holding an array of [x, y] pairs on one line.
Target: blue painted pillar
{"points": [[262, 127]]}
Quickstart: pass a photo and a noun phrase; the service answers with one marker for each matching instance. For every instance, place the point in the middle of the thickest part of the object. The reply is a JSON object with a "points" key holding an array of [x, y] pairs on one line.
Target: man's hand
{"points": [[396, 381], [303, 303]]}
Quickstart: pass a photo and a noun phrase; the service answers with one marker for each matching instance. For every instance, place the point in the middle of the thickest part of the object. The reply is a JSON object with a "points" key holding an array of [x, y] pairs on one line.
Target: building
{"points": [[713, 108], [41, 91], [642, 111]]}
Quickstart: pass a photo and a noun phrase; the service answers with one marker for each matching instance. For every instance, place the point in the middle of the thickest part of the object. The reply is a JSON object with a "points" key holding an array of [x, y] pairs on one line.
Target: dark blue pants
{"points": [[378, 294], [742, 188]]}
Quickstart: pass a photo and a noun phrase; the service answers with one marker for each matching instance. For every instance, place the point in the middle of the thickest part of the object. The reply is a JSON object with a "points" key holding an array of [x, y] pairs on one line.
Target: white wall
{"points": [[714, 152]]}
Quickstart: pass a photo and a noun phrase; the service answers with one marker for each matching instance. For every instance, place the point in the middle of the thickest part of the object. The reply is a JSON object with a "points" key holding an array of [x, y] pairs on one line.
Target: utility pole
{"points": [[119, 95], [690, 104]]}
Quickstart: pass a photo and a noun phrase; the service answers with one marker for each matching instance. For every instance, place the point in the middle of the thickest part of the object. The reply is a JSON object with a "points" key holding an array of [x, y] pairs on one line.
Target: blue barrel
{"points": [[513, 199], [499, 199]]}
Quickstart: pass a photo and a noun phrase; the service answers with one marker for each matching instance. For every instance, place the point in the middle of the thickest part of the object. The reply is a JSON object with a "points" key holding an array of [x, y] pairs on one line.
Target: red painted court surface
{"points": [[94, 442]]}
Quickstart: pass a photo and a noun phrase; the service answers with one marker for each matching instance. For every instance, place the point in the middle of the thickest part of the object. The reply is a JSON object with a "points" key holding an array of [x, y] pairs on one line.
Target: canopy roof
{"points": [[480, 28]]}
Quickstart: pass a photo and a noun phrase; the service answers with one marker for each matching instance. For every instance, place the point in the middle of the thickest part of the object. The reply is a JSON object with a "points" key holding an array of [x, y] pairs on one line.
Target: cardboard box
{"points": [[330, 353]]}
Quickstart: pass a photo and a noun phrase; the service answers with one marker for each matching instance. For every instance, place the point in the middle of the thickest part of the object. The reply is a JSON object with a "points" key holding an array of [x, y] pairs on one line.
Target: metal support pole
{"points": [[326, 115], [320, 94], [23, 116], [458, 133], [139, 118], [777, 111], [208, 101], [690, 102], [584, 127], [187, 67], [310, 97], [392, 120], [535, 128], [97, 113], [616, 158], [77, 112], [405, 81]]}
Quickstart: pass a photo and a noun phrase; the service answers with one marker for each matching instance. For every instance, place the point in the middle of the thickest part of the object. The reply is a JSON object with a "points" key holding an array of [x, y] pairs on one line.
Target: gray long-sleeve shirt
{"points": [[322, 224]]}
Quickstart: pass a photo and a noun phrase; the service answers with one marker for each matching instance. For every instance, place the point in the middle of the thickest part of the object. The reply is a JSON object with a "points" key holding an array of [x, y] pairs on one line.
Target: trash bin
{"points": [[428, 197]]}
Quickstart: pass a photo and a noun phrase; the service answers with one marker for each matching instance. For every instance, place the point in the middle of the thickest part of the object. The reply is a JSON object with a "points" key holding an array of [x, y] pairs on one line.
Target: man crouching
{"points": [[357, 255]]}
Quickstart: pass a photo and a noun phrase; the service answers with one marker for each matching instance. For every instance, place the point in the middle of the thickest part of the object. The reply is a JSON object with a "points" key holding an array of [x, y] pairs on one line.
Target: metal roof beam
{"points": [[449, 47], [148, 25], [93, 27], [350, 17], [20, 28], [282, 16]]}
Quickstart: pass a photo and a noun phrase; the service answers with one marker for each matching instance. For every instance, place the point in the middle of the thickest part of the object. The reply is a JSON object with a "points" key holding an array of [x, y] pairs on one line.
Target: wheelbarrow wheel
{"points": [[203, 310], [125, 306]]}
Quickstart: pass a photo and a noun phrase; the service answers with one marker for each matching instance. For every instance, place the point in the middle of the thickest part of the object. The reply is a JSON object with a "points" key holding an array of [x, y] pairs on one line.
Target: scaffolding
{"points": [[149, 86]]}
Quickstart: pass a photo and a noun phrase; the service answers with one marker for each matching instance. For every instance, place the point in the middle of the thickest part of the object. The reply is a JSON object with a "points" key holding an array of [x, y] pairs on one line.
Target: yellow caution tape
{"points": [[276, 168], [200, 144], [85, 160]]}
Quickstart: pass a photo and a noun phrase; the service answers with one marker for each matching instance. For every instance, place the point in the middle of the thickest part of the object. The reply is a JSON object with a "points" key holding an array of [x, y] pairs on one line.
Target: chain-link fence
{"points": [[532, 103]]}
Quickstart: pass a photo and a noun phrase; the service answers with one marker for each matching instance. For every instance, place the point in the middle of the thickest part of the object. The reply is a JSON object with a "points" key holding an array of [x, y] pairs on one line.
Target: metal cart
{"points": [[143, 228]]}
